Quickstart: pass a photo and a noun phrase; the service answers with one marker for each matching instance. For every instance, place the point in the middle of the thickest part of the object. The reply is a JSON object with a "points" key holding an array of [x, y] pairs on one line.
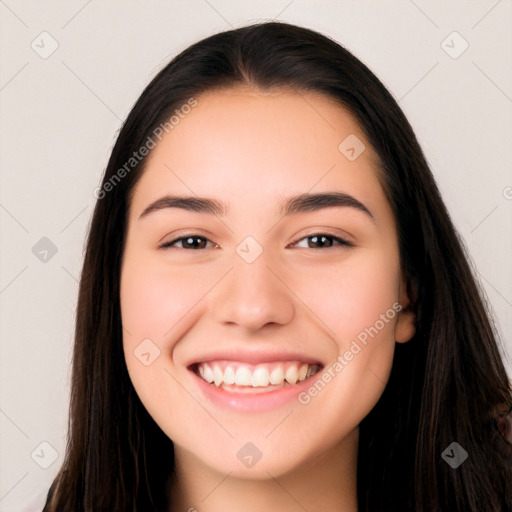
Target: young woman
{"points": [[275, 309]]}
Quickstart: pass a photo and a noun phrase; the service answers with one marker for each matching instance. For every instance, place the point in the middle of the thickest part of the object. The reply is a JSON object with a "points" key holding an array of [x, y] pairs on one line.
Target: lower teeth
{"points": [[251, 389]]}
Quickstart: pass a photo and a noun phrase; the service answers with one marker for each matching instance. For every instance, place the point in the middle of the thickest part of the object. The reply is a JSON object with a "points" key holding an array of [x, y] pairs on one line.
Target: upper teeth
{"points": [[243, 374]]}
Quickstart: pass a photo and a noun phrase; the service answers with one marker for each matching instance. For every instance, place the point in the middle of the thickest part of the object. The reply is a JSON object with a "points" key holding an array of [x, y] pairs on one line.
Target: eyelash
{"points": [[340, 241]]}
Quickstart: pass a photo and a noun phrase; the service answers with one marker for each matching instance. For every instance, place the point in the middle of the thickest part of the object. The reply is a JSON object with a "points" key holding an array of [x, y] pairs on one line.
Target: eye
{"points": [[320, 239], [188, 242]]}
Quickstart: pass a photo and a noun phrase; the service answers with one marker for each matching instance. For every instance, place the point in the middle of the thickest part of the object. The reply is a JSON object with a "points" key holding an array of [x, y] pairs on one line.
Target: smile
{"points": [[244, 377], [251, 381]]}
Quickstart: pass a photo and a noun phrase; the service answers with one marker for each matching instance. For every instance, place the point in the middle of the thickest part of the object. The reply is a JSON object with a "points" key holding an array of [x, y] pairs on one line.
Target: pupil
{"points": [[190, 240], [317, 238]]}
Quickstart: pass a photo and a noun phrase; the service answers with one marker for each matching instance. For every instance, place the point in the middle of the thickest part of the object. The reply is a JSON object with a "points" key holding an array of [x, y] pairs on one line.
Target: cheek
{"points": [[157, 308], [352, 296], [151, 305], [359, 312], [157, 299]]}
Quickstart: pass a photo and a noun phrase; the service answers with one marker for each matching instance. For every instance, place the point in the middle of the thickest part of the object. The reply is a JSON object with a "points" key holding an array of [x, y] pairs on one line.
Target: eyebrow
{"points": [[290, 206]]}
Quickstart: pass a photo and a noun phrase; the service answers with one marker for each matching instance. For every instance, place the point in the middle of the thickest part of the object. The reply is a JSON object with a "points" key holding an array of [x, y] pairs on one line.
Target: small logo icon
{"points": [[44, 250], [454, 45], [44, 45], [454, 455], [249, 454], [351, 147], [249, 249], [44, 455], [146, 352]]}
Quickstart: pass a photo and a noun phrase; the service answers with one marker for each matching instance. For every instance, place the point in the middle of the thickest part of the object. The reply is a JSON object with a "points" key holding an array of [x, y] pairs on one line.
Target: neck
{"points": [[327, 483]]}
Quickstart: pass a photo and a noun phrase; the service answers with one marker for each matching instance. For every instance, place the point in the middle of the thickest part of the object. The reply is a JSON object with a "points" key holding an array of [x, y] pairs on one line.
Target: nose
{"points": [[253, 295]]}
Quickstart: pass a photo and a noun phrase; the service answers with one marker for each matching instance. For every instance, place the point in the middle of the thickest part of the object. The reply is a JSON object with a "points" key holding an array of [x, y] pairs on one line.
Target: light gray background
{"points": [[60, 117]]}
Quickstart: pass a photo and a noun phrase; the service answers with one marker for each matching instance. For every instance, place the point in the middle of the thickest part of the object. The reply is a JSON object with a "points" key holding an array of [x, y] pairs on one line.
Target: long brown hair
{"points": [[445, 383]]}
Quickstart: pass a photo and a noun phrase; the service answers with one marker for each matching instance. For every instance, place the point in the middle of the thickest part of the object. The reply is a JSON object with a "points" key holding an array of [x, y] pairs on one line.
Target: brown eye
{"points": [[188, 242], [324, 240]]}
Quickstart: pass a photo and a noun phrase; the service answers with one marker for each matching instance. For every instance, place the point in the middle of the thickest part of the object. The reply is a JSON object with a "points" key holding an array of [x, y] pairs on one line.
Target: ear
{"points": [[405, 327]]}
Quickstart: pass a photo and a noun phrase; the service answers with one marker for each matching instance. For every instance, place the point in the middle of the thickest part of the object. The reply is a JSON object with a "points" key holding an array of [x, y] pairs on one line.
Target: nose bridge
{"points": [[251, 295]]}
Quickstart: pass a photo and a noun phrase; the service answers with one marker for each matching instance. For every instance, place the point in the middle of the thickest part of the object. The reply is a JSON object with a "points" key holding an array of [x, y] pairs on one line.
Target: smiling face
{"points": [[256, 289]]}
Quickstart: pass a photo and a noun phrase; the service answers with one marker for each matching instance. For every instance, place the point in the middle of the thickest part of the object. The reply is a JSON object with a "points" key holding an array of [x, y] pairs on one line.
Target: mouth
{"points": [[255, 387], [245, 378]]}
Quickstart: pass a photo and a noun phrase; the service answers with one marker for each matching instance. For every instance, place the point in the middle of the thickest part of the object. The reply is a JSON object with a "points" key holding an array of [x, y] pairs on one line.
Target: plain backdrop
{"points": [[449, 64]]}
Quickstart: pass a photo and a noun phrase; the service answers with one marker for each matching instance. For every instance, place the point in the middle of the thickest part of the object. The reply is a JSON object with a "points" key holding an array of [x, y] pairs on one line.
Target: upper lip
{"points": [[253, 357]]}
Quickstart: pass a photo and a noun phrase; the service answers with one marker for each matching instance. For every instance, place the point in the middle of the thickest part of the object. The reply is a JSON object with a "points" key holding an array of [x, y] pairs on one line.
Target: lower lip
{"points": [[252, 402]]}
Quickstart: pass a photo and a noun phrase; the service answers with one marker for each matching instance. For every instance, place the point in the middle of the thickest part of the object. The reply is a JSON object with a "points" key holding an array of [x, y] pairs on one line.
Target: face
{"points": [[263, 287]]}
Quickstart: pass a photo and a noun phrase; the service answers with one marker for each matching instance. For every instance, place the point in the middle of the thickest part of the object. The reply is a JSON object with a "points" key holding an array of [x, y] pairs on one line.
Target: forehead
{"points": [[241, 145]]}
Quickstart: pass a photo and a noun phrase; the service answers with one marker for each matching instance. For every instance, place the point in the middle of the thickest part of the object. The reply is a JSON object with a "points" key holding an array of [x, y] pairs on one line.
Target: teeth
{"points": [[217, 375], [229, 375], [260, 377], [291, 375], [263, 375], [303, 371], [207, 373], [243, 377], [277, 375]]}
